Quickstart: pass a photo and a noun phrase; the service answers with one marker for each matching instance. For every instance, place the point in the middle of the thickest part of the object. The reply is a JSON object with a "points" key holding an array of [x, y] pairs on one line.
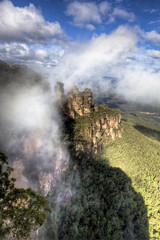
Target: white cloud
{"points": [[111, 62], [91, 27], [153, 53], [121, 13], [139, 84], [152, 36], [35, 56], [31, 123], [104, 8], [86, 62], [26, 24], [85, 13]]}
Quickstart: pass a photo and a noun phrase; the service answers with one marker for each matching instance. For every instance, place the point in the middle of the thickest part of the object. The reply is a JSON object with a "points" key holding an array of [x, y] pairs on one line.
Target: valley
{"points": [[137, 153], [95, 159]]}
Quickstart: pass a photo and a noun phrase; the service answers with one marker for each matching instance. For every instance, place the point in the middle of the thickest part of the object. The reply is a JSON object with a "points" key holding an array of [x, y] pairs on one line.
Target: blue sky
{"points": [[87, 42], [143, 13]]}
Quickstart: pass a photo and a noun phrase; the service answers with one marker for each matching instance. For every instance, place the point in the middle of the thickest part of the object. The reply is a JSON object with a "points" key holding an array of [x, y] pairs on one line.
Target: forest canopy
{"points": [[21, 210]]}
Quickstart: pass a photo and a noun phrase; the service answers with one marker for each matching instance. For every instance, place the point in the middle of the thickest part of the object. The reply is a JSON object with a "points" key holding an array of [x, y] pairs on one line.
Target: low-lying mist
{"points": [[111, 63], [30, 122]]}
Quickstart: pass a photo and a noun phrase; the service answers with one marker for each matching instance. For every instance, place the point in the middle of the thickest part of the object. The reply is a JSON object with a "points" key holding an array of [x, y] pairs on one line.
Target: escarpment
{"points": [[93, 124], [79, 103]]}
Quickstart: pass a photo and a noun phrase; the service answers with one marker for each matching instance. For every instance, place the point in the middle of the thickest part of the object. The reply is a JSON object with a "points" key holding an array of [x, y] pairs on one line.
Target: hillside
{"points": [[93, 199], [137, 153], [98, 167], [91, 122]]}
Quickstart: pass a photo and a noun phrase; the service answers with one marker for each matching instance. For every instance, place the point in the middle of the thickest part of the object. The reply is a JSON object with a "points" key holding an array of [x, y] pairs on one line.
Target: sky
{"points": [[112, 44]]}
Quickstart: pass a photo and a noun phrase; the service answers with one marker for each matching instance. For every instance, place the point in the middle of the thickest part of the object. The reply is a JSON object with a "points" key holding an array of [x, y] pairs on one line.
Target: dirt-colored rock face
{"points": [[93, 123], [103, 125], [79, 103]]}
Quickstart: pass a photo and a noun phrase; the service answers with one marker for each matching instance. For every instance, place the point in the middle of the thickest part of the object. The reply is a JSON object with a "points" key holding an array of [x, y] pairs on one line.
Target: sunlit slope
{"points": [[139, 157]]}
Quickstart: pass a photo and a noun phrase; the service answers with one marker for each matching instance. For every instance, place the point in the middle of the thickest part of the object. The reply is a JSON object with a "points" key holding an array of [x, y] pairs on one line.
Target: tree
{"points": [[21, 210]]}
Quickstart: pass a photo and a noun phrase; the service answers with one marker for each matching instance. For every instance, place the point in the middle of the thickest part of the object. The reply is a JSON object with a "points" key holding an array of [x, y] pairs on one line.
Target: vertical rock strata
{"points": [[79, 103], [94, 124]]}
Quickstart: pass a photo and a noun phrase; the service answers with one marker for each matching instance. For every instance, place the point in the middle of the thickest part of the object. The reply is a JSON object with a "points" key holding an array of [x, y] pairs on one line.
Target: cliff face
{"points": [[79, 103], [101, 126], [93, 123]]}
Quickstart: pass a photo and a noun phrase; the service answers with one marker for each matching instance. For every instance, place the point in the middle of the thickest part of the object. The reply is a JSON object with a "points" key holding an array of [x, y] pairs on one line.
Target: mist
{"points": [[30, 122], [31, 126], [114, 63]]}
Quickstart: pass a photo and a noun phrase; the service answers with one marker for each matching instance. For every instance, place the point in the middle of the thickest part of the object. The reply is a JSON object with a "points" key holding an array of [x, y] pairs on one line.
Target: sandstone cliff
{"points": [[79, 103], [93, 124]]}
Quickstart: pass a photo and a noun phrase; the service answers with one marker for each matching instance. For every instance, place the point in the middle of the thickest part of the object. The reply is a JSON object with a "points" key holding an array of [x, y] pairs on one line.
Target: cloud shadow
{"points": [[148, 132]]}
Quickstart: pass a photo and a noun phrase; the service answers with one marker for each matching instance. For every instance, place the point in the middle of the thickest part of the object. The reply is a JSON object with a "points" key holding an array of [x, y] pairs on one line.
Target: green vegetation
{"points": [[137, 118], [94, 201], [149, 125], [82, 127], [151, 133], [104, 204], [103, 111], [84, 124], [137, 153], [111, 196], [139, 157], [21, 210]]}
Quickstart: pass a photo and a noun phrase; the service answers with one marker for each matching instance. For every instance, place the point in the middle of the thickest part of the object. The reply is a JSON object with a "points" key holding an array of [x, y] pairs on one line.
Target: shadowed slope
{"points": [[138, 156], [148, 132], [101, 204]]}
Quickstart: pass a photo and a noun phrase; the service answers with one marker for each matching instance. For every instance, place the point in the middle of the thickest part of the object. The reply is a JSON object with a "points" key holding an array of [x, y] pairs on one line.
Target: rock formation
{"points": [[79, 103], [93, 123]]}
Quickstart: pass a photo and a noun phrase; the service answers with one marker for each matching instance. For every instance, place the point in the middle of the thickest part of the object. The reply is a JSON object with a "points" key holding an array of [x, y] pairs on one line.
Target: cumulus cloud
{"points": [[121, 13], [104, 7], [85, 13], [111, 62], [42, 44], [26, 24], [96, 58], [35, 56], [153, 37], [139, 84], [91, 27], [153, 53]]}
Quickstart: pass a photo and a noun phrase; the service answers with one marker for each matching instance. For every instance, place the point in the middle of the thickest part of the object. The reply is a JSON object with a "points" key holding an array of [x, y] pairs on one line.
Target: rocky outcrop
{"points": [[75, 103], [94, 124], [79, 103], [103, 125]]}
